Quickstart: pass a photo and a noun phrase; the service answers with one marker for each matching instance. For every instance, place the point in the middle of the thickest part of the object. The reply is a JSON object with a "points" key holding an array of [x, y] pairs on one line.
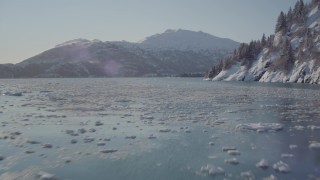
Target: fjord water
{"points": [[159, 128]]}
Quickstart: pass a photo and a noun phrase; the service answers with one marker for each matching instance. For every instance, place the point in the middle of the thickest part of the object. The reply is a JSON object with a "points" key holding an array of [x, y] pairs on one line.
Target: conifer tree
{"points": [[288, 55], [281, 23], [299, 12], [289, 17], [263, 40]]}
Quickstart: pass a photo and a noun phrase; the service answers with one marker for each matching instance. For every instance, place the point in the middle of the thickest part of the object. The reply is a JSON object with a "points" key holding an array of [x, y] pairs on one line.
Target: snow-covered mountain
{"points": [[187, 40], [86, 58], [292, 54]]}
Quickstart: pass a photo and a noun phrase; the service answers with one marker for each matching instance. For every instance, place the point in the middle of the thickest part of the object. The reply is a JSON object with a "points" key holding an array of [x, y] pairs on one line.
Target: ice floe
{"points": [[233, 161], [98, 123], [73, 141], [88, 139], [315, 146], [47, 145], [130, 137], [45, 176], [29, 151], [263, 164], [212, 170], [225, 149], [293, 146], [12, 93], [281, 167], [164, 130], [287, 155], [271, 177], [313, 127], [247, 175], [108, 150], [101, 144], [261, 127], [233, 152]]}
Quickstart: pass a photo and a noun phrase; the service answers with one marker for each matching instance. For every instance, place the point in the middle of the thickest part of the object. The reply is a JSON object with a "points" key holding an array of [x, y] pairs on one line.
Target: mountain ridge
{"points": [[95, 58], [185, 40]]}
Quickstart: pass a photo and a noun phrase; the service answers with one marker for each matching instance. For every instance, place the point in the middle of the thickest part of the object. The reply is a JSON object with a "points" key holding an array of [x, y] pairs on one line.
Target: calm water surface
{"points": [[159, 128]]}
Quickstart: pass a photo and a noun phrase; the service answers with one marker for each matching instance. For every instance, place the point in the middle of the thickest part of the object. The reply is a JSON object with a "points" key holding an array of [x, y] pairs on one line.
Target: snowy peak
{"points": [[187, 40], [77, 42]]}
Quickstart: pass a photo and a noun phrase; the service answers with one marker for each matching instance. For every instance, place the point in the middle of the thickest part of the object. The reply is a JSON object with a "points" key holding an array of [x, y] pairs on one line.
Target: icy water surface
{"points": [[158, 128]]}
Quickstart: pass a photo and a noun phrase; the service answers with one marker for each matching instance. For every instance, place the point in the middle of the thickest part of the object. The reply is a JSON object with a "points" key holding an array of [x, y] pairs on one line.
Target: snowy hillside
{"points": [[292, 54], [86, 58]]}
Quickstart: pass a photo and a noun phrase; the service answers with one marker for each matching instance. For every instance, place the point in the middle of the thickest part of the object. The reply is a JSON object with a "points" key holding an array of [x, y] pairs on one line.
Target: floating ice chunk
{"points": [[315, 146], [248, 175], [225, 149], [92, 130], [101, 144], [45, 176], [271, 177], [293, 146], [287, 155], [212, 157], [299, 128], [218, 122], [147, 117], [47, 146], [98, 123], [73, 141], [67, 159], [233, 161], [29, 151], [211, 143], [88, 139], [130, 137], [281, 167], [108, 150], [17, 133], [164, 130], [263, 164], [313, 127], [152, 137], [13, 94], [71, 133], [82, 131], [261, 127], [211, 170], [233, 152], [32, 142]]}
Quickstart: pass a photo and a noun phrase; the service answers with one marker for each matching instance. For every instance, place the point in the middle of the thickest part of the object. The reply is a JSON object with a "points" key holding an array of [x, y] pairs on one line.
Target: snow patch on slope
{"points": [[76, 42], [224, 74], [273, 76]]}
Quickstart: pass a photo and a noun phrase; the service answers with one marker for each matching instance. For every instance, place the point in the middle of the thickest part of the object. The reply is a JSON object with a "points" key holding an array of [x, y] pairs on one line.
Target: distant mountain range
{"points": [[170, 53], [292, 54]]}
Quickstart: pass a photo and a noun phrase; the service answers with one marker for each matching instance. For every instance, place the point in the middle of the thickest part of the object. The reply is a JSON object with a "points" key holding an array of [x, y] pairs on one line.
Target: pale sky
{"points": [[29, 27]]}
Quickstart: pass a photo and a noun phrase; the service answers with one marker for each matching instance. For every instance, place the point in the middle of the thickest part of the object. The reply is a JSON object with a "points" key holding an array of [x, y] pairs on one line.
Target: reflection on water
{"points": [[155, 128]]}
